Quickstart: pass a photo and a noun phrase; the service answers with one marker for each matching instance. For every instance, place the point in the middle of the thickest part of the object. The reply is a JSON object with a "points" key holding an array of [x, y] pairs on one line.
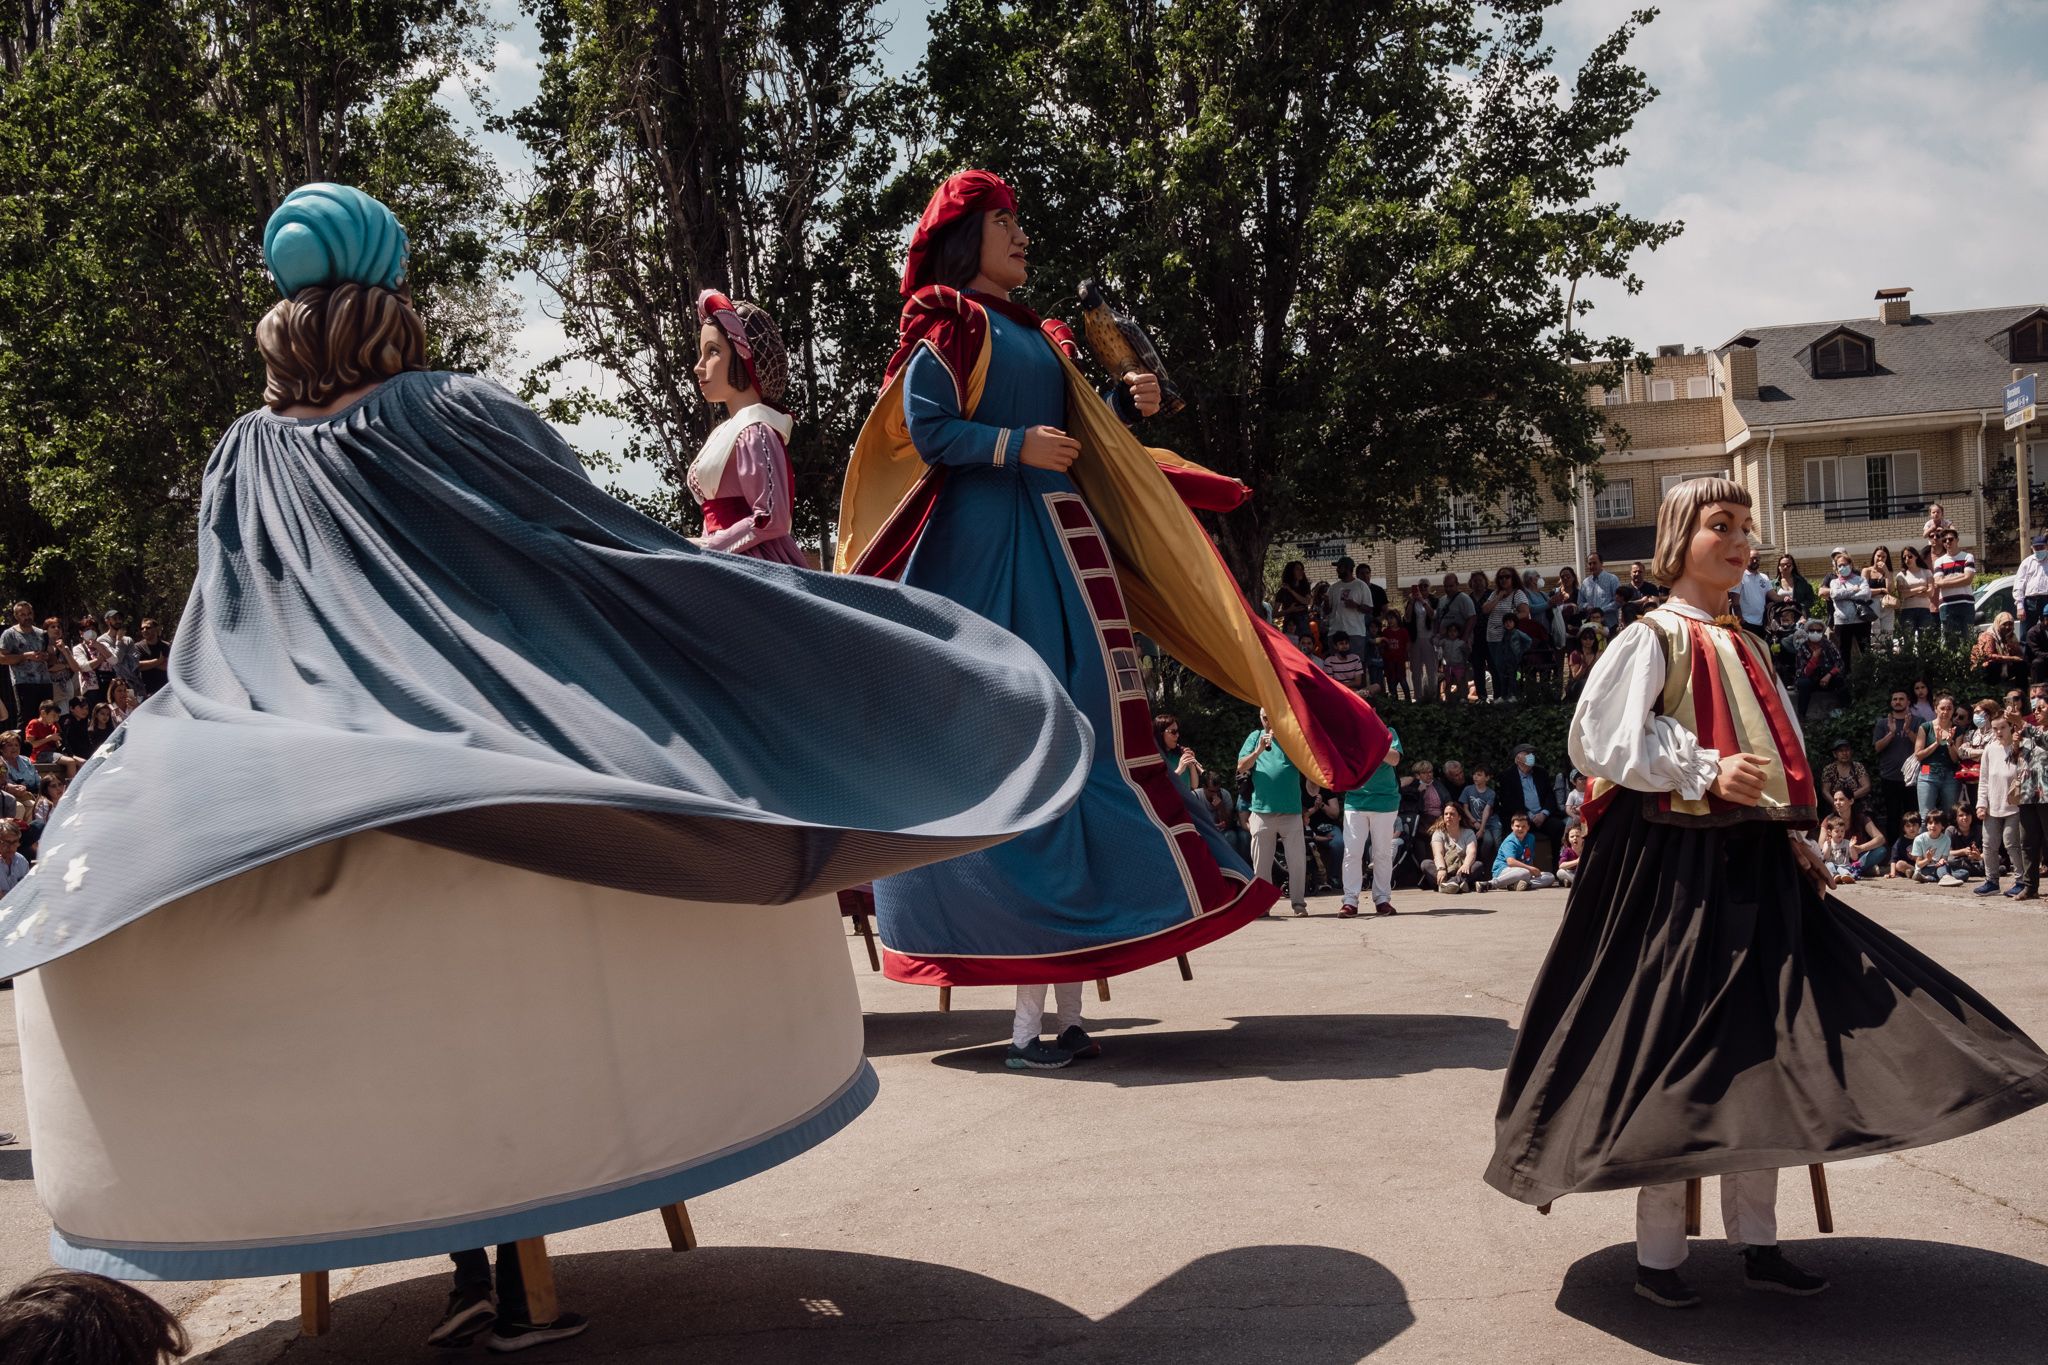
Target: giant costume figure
{"points": [[1706, 1009], [510, 908], [1076, 563]]}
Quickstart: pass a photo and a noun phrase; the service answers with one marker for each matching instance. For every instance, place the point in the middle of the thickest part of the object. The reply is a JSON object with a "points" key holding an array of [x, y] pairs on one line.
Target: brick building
{"points": [[1843, 431]]}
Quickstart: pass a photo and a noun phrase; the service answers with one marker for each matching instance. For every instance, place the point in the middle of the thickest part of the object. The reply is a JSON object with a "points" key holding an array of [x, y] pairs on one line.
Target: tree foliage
{"points": [[1357, 231], [732, 144], [142, 146]]}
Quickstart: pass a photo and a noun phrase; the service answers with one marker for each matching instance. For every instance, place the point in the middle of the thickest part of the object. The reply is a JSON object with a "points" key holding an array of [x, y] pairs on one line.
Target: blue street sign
{"points": [[2019, 402]]}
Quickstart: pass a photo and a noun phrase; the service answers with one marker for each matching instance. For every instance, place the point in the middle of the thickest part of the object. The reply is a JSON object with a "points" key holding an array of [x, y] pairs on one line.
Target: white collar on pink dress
{"points": [[708, 469]]}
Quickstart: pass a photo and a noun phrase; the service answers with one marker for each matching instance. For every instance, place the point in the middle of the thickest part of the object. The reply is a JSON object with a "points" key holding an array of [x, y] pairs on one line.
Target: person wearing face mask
{"points": [[1970, 748], [2030, 590], [2030, 756], [1527, 790]]}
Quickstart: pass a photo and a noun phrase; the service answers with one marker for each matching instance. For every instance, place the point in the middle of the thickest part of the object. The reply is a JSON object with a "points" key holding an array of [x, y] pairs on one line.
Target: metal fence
{"points": [[1877, 506]]}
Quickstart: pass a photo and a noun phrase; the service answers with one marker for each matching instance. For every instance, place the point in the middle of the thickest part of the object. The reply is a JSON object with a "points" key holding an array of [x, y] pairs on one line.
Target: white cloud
{"points": [[1820, 152]]}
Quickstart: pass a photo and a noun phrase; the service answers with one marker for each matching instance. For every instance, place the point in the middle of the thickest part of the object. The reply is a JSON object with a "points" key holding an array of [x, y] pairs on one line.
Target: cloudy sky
{"points": [[1816, 150]]}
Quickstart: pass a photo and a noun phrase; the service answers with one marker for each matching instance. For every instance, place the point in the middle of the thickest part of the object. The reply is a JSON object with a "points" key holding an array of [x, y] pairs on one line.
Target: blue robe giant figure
{"points": [[506, 904]]}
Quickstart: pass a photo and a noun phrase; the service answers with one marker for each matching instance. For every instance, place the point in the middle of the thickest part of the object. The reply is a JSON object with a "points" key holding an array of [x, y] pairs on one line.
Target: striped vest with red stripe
{"points": [[1719, 684]]}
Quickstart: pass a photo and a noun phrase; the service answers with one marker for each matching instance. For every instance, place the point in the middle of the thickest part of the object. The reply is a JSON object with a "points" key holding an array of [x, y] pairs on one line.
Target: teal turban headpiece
{"points": [[333, 234]]}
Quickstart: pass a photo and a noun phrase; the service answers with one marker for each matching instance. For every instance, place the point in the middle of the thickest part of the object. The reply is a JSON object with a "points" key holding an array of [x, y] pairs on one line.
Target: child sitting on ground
{"points": [[1900, 861], [1514, 867], [1966, 845], [1836, 852], [1931, 852], [1568, 857]]}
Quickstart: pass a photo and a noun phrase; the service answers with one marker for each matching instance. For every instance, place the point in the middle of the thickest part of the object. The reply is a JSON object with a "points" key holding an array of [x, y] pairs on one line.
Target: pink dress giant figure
{"points": [[741, 478]]}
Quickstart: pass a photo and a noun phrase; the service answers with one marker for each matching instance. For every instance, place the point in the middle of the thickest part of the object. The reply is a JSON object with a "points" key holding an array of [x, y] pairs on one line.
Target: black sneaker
{"points": [[469, 1315], [1036, 1055], [1075, 1042], [517, 1336], [1665, 1289], [1766, 1268]]}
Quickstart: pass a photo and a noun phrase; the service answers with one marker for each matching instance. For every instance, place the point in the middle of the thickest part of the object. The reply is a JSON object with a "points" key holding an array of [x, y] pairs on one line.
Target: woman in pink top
{"points": [[741, 478]]}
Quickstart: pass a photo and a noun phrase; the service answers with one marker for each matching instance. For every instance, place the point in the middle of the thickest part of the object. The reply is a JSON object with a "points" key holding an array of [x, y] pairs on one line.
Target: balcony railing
{"points": [[1877, 506], [1457, 538]]}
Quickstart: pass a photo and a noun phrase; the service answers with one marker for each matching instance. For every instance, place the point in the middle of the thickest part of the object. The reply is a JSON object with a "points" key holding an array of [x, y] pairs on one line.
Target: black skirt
{"points": [[1703, 1011]]}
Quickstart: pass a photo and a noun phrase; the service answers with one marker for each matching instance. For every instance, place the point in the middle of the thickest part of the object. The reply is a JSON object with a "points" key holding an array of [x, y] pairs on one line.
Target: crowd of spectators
{"points": [[1942, 794], [67, 691], [1520, 635]]}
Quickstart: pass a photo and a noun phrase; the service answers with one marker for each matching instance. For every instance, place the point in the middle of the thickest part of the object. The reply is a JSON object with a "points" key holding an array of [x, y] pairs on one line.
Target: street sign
{"points": [[2019, 402]]}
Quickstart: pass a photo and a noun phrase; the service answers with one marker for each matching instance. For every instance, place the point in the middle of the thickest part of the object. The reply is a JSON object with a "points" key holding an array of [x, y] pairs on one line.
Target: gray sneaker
{"points": [[1766, 1268], [1075, 1042], [470, 1314], [1664, 1288], [1036, 1055]]}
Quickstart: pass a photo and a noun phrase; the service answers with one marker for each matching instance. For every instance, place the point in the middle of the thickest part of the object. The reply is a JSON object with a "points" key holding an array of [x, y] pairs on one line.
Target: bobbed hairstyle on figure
{"points": [[340, 258], [68, 1318], [1678, 516]]}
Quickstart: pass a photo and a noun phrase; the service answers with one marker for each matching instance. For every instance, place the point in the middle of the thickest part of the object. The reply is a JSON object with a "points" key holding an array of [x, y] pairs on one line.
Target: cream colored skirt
{"points": [[378, 1049]]}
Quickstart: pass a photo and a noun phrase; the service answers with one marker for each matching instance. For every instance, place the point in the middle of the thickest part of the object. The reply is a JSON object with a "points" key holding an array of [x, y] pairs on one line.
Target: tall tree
{"points": [[732, 144], [142, 145], [1356, 229]]}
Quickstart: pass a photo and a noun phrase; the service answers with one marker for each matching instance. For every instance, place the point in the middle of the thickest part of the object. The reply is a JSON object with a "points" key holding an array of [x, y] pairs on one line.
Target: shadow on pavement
{"points": [[900, 1035], [1891, 1299], [1286, 1047], [1306, 1305]]}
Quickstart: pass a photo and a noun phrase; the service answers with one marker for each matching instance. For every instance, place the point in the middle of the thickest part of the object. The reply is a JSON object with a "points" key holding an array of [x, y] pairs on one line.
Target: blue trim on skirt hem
{"points": [[199, 1262]]}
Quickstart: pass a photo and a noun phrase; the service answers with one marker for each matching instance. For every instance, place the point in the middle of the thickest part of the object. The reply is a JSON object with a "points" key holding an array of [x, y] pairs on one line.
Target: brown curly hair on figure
{"points": [[324, 341]]}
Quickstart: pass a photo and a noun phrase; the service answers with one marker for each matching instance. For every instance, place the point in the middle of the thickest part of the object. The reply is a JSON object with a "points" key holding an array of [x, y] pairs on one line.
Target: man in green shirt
{"points": [[1370, 815], [1276, 811]]}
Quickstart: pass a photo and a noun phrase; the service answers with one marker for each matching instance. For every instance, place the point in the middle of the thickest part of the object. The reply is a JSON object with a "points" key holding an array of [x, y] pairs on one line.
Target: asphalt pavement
{"points": [[1278, 1161]]}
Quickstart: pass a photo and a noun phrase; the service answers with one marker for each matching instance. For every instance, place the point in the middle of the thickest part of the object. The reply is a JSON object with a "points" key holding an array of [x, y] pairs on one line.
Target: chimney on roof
{"points": [[1741, 363], [1892, 307]]}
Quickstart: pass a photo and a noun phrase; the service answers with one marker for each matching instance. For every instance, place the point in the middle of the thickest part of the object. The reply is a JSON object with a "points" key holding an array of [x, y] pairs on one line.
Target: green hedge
{"points": [[1215, 725]]}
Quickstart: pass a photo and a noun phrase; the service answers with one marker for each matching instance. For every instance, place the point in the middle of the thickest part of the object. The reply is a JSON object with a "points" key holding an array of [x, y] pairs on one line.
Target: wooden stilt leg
{"points": [[1823, 1209], [539, 1278], [945, 999], [316, 1311], [676, 1218], [867, 934], [1102, 988], [1692, 1208], [1187, 973]]}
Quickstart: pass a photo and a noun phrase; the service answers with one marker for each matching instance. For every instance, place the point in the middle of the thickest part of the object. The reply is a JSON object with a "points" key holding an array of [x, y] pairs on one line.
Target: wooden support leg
{"points": [[1692, 1208], [945, 999], [316, 1311], [1102, 989], [867, 934], [1823, 1209], [1187, 973], [539, 1276], [676, 1218]]}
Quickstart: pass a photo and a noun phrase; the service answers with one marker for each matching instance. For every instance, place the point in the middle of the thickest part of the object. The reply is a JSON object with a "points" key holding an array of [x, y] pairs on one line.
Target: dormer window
{"points": [[1842, 354], [2030, 339]]}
